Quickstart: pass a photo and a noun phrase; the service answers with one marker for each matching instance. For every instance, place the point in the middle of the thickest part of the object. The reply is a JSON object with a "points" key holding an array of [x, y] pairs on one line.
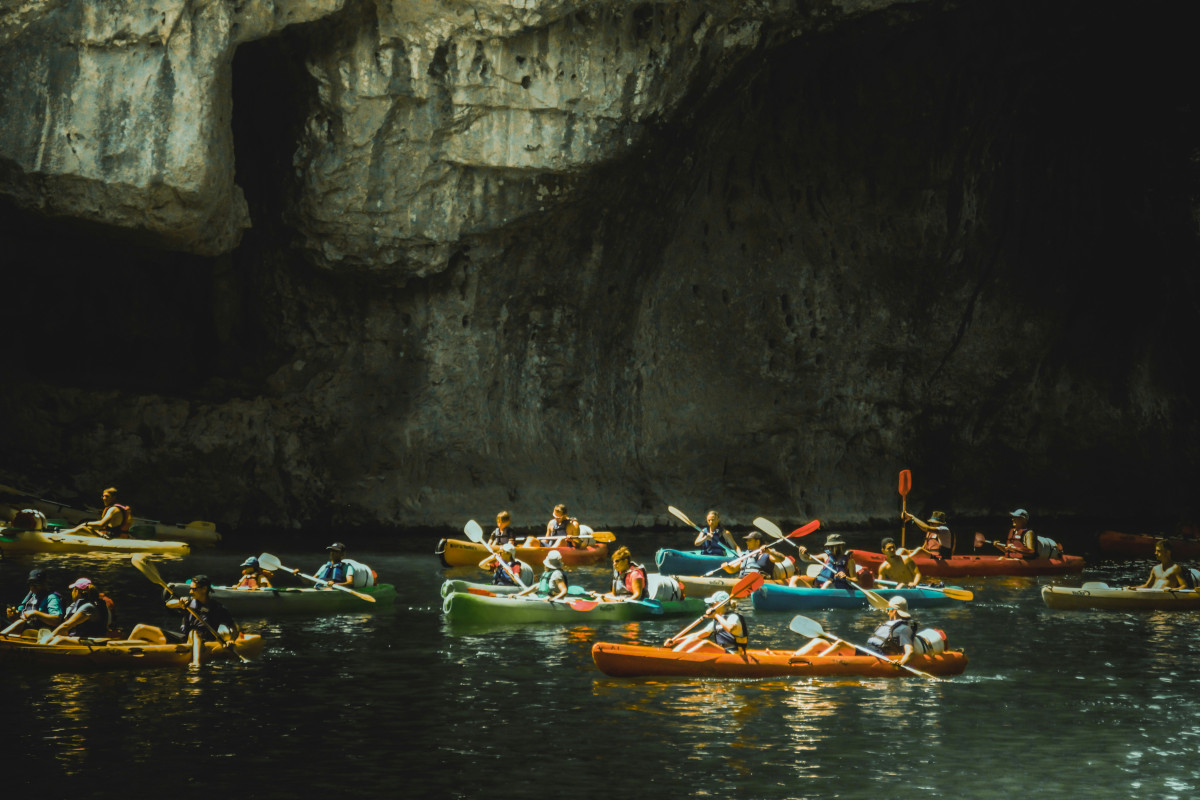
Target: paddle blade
{"points": [[604, 536], [905, 482], [980, 539], [768, 527], [476, 590], [146, 568], [682, 517], [580, 604], [748, 585], [473, 531], [806, 627], [805, 530], [958, 594], [814, 570], [269, 562]]}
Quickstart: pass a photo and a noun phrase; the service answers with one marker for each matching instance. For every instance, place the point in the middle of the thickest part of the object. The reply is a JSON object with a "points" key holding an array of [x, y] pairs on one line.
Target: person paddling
{"points": [[561, 531], [1022, 542], [206, 614], [87, 616], [939, 541], [253, 576], [516, 568], [116, 520], [503, 532], [714, 539], [727, 630], [552, 585], [897, 636], [630, 581], [763, 561], [41, 608], [898, 565]]}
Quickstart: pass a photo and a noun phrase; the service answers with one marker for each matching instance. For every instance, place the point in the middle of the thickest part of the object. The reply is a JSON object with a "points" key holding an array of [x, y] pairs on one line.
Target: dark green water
{"points": [[1053, 704]]}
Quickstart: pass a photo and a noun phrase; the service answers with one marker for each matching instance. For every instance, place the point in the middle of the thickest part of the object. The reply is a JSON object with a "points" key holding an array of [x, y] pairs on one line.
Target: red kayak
{"points": [[1141, 545], [964, 566]]}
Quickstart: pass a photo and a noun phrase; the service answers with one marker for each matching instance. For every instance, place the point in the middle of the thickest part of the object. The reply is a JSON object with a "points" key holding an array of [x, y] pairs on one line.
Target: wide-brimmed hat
{"points": [[553, 560], [937, 518], [833, 540], [1020, 512], [509, 547], [900, 605]]}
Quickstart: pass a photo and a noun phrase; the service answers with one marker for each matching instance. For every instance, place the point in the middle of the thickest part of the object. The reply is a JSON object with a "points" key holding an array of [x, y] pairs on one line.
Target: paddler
{"points": [[552, 585], [1022, 542], [561, 531], [517, 567], [503, 532], [207, 608], [41, 607], [253, 576], [115, 521], [88, 615], [939, 541], [763, 561], [713, 540], [726, 631], [898, 565], [630, 581], [897, 636], [1166, 574]]}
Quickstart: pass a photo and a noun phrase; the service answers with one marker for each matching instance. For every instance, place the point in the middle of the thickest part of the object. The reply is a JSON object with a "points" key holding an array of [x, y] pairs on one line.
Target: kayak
{"points": [[777, 597], [88, 654], [688, 562], [306, 600], [459, 553], [628, 660], [963, 566], [1141, 545], [19, 540], [1113, 598], [451, 586], [197, 531], [699, 586], [468, 607]]}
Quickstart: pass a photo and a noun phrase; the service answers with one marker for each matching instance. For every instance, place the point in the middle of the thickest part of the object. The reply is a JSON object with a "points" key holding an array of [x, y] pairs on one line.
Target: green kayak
{"points": [[467, 607]]}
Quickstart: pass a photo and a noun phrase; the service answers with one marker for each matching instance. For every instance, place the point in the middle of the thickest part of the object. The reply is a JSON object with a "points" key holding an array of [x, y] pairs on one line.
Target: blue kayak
{"points": [[777, 597], [688, 562]]}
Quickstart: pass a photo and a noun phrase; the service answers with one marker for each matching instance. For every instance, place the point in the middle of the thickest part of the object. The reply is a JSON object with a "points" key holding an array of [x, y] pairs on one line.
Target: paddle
{"points": [[980, 539], [744, 587], [873, 599], [599, 536], [768, 527], [796, 534], [905, 488], [813, 630], [949, 591], [580, 604], [12, 627], [475, 533], [150, 571], [270, 563]]}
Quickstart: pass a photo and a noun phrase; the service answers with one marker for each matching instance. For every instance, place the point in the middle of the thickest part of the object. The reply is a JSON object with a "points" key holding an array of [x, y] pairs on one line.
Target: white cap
{"points": [[901, 606], [508, 547], [1020, 512]]}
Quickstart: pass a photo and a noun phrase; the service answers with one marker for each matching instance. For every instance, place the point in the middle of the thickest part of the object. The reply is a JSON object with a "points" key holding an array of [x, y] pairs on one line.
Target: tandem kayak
{"points": [[468, 607], [306, 600], [1114, 598], [688, 562], [963, 566], [1141, 545], [19, 540], [628, 661], [777, 597], [459, 553], [89, 654]]}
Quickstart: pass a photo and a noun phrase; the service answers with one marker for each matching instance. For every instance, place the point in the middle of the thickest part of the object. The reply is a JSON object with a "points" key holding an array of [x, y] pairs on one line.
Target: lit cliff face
{"points": [[619, 256]]}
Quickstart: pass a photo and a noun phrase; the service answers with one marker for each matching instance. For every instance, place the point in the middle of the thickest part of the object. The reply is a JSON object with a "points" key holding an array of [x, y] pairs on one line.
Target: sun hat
{"points": [[937, 518], [717, 598], [1020, 512], [833, 540], [553, 560], [82, 583], [509, 547], [901, 606], [250, 562]]}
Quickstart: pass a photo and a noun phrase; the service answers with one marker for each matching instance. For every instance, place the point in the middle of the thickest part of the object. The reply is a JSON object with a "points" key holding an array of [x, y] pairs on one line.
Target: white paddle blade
{"points": [[269, 562], [806, 627], [814, 570], [768, 527], [473, 531]]}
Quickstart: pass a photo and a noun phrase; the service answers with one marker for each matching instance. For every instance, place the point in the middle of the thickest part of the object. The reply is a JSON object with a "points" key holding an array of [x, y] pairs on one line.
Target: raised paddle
{"points": [[905, 488], [768, 527], [796, 534], [813, 630], [744, 587], [949, 591], [150, 571], [270, 563], [873, 599], [981, 540], [475, 534]]}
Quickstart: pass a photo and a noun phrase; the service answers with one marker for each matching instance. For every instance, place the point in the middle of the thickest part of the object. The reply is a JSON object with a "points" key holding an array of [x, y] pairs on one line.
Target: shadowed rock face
{"points": [[508, 255]]}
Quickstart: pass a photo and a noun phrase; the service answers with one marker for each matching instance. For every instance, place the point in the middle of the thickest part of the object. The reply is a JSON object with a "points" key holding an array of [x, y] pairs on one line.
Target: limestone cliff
{"points": [[405, 263]]}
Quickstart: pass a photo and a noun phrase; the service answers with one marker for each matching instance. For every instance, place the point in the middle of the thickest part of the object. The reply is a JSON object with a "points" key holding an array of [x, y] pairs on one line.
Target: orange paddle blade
{"points": [[905, 482]]}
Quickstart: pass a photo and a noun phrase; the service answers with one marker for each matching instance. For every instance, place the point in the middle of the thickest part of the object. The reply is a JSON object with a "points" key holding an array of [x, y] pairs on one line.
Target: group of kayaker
{"points": [[561, 531], [89, 614]]}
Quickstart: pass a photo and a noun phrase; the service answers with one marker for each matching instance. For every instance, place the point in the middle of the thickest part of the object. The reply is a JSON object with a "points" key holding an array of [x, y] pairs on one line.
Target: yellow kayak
{"points": [[19, 540]]}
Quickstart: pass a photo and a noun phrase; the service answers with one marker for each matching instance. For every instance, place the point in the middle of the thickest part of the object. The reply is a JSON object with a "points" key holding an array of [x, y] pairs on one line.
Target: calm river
{"points": [[1053, 703]]}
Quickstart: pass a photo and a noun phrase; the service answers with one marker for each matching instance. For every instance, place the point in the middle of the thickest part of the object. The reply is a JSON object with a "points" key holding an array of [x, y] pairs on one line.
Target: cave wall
{"points": [[787, 253]]}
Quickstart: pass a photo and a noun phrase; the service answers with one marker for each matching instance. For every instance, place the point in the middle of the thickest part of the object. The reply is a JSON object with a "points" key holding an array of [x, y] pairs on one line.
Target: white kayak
{"points": [[19, 540], [1115, 598]]}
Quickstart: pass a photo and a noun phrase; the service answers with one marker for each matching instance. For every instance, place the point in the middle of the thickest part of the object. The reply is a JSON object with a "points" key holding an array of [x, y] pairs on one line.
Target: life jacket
{"points": [[758, 563], [933, 539], [126, 521], [330, 571], [834, 565], [885, 639], [547, 580], [50, 603], [726, 640], [95, 626], [558, 527], [713, 546], [503, 536], [623, 582], [500, 576]]}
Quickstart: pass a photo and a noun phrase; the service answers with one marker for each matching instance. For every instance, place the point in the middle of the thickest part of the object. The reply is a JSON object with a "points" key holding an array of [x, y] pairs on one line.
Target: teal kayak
{"points": [[777, 597], [467, 607]]}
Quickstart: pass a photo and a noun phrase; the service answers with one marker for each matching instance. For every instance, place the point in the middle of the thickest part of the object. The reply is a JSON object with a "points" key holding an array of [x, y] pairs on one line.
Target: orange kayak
{"points": [[457, 553], [628, 660], [1141, 545], [963, 566]]}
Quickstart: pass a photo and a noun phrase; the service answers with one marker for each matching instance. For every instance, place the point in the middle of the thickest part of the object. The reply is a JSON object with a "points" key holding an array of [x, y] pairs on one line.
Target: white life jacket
{"points": [[361, 573]]}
